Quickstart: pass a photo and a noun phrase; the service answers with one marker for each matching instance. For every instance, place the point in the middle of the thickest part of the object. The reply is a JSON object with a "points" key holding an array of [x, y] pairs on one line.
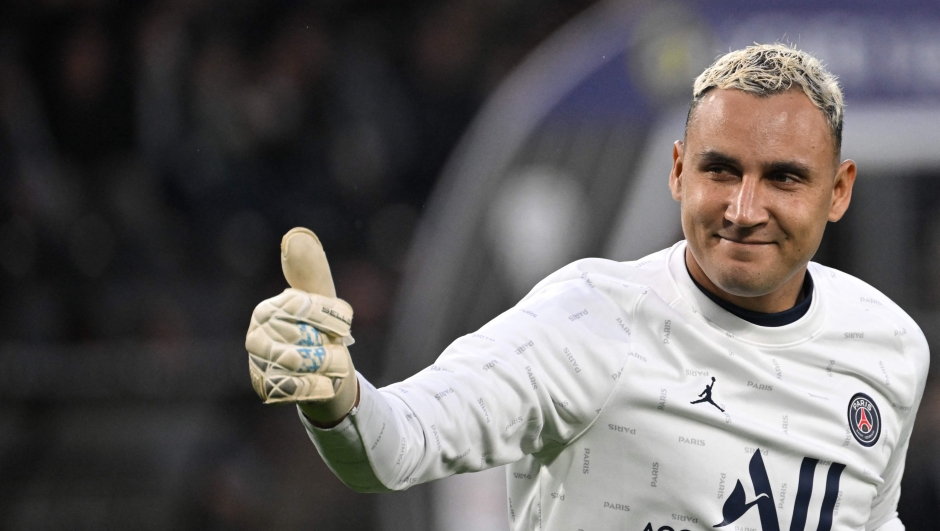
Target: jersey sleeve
{"points": [[884, 509], [535, 377]]}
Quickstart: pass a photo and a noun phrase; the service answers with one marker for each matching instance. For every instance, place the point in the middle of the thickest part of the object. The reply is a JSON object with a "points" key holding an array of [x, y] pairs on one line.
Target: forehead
{"points": [[784, 126]]}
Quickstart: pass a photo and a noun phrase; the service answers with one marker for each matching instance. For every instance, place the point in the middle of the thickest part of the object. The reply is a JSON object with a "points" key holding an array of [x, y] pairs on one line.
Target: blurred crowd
{"points": [[152, 154]]}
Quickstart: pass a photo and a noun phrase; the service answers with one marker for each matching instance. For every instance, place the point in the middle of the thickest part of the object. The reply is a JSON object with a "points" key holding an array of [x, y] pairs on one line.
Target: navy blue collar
{"points": [[760, 318]]}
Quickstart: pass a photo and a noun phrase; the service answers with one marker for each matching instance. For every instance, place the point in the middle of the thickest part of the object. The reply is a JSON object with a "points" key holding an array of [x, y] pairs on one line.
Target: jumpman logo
{"points": [[707, 393]]}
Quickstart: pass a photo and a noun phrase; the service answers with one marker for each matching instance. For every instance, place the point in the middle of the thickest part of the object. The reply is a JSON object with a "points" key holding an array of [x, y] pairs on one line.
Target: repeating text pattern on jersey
{"points": [[623, 398]]}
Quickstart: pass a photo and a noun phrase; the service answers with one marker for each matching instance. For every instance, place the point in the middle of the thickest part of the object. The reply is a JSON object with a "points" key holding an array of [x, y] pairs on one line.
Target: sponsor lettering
{"points": [[563, 403], [885, 373], [333, 313], [649, 527], [621, 429], [444, 393], [379, 438], [623, 326], [483, 407], [617, 506], [401, 451], [528, 370], [760, 386], [578, 315], [573, 361], [737, 505], [584, 276]]}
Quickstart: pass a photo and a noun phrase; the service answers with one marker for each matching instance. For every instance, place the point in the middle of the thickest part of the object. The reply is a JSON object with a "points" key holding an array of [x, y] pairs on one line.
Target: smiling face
{"points": [[758, 179]]}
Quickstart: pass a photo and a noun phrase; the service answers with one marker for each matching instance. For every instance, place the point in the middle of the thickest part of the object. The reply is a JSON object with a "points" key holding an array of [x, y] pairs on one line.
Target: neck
{"points": [[779, 300]]}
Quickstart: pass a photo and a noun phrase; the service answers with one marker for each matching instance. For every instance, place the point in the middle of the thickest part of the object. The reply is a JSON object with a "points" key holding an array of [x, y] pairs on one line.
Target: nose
{"points": [[745, 208]]}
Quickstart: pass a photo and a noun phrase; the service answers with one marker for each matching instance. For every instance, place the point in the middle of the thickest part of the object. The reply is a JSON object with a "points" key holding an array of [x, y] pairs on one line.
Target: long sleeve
{"points": [[536, 376], [884, 509]]}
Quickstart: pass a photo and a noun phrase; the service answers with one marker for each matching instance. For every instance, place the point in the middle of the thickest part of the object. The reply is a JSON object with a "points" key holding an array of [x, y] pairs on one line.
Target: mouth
{"points": [[745, 241]]}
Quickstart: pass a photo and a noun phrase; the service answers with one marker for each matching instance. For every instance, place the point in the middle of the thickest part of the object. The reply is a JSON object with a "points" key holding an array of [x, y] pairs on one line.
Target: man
{"points": [[587, 388]]}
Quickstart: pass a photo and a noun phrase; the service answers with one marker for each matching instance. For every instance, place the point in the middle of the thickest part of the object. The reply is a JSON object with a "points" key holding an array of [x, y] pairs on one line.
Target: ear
{"points": [[675, 177], [842, 190]]}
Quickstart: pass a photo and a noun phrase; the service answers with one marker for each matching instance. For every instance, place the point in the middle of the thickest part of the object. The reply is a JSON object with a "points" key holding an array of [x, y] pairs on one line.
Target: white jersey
{"points": [[622, 397]]}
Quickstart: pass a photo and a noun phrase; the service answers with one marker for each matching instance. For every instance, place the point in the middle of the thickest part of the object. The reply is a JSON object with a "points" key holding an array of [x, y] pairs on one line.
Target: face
{"points": [[758, 179]]}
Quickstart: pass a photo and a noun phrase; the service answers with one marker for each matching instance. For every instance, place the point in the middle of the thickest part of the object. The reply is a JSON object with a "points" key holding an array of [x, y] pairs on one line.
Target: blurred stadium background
{"points": [[449, 154]]}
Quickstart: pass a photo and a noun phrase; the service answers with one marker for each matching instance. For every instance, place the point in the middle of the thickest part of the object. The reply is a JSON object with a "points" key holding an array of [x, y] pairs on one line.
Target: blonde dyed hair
{"points": [[768, 69]]}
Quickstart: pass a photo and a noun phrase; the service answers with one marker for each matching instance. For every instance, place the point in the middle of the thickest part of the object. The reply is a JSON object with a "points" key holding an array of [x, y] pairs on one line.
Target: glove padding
{"points": [[297, 353]]}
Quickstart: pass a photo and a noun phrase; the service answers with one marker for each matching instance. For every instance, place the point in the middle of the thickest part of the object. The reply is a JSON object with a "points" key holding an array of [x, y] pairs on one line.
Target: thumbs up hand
{"points": [[297, 340]]}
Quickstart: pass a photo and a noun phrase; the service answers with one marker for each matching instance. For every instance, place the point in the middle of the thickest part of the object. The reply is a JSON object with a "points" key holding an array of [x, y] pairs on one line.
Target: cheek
{"points": [[804, 221], [703, 204]]}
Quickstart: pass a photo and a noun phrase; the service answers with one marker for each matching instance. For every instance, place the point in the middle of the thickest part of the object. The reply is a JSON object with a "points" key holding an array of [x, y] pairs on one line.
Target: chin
{"points": [[746, 279]]}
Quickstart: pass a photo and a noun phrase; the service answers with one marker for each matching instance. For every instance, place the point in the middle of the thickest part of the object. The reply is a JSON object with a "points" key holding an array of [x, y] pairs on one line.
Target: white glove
{"points": [[297, 340]]}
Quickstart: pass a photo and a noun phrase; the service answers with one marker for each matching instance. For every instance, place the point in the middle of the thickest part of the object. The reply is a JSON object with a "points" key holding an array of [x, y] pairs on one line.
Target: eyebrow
{"points": [[716, 157]]}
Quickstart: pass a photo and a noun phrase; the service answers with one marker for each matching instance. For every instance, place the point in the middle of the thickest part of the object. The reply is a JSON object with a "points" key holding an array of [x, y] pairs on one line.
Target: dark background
{"points": [[151, 156]]}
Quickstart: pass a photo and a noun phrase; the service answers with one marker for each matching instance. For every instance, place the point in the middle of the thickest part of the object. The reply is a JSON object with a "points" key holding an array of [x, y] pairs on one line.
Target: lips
{"points": [[744, 241]]}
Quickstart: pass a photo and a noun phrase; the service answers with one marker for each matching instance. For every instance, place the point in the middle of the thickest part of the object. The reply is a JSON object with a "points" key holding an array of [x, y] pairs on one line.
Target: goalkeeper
{"points": [[726, 382]]}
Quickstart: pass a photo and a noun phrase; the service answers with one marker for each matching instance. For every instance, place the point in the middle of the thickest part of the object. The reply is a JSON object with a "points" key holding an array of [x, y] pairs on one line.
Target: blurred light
{"points": [[358, 157], [536, 224], [87, 62], [366, 289], [91, 243], [17, 247], [247, 242], [670, 48], [390, 233]]}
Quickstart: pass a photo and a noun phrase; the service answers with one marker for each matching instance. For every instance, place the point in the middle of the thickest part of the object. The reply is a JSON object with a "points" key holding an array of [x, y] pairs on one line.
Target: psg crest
{"points": [[864, 419]]}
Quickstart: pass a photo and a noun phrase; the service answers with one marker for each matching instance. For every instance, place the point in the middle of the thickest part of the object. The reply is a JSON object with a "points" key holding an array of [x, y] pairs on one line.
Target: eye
{"points": [[785, 178], [718, 170]]}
